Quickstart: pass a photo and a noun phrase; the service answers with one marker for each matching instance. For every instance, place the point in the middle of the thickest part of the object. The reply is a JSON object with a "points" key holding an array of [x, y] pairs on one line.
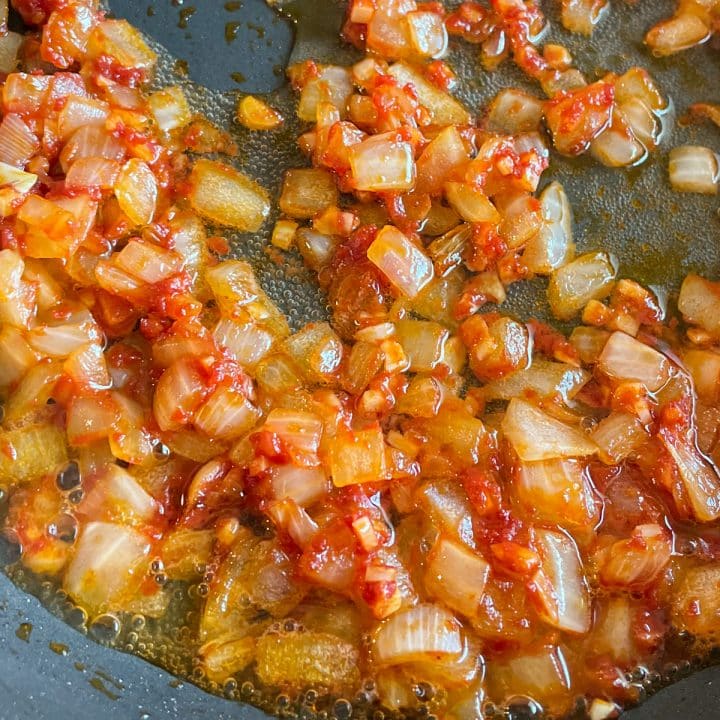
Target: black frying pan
{"points": [[50, 671]]}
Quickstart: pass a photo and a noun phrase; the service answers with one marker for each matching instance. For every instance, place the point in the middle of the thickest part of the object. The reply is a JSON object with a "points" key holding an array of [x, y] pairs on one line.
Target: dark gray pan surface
{"points": [[654, 241]]}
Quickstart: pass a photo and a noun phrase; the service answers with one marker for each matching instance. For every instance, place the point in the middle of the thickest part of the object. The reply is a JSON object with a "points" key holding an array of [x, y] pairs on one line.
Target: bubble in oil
{"points": [[105, 628], [342, 709]]}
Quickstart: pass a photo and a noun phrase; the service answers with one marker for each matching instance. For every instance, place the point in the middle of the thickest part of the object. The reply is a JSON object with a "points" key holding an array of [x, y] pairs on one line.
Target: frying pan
{"points": [[47, 669]]}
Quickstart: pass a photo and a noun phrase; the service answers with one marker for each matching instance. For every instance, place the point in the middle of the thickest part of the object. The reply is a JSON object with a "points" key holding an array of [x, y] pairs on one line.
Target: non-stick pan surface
{"points": [[48, 671]]}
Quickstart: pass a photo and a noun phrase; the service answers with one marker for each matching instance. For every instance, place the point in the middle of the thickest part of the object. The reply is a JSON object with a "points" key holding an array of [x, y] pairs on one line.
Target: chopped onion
{"points": [[521, 218], [148, 262], [303, 485], [289, 516], [636, 563], [87, 366], [170, 108], [581, 16], [119, 40], [105, 565], [446, 151], [443, 107], [403, 263], [358, 456], [513, 111], [87, 173], [248, 343], [642, 121], [423, 633], [10, 45], [333, 85], [428, 35], [89, 419], [226, 414], [565, 600], [136, 191], [699, 477], [617, 436], [697, 588], [81, 112], [449, 509], [471, 203], [456, 576], [617, 146], [382, 163], [34, 390], [91, 142], [298, 430], [694, 169], [16, 356], [423, 343], [59, 341], [227, 197], [19, 180], [316, 248], [179, 393], [317, 351], [704, 367], [543, 379], [589, 277], [118, 496], [17, 142], [698, 302], [31, 453], [625, 358], [541, 675], [679, 33], [557, 491], [307, 192], [536, 436]]}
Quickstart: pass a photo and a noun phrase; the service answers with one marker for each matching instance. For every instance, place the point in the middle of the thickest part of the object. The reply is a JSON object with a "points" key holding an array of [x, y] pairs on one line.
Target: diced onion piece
{"points": [[698, 476], [34, 390], [443, 107], [423, 343], [423, 633], [704, 367], [227, 197], [87, 366], [428, 35], [358, 456], [179, 393], [382, 163], [581, 16], [513, 111], [297, 429], [30, 453], [470, 203], [679, 33], [536, 436], [136, 191], [565, 602], [148, 262], [119, 40], [642, 121], [81, 112], [303, 485], [694, 169], [603, 710], [404, 264], [589, 342], [617, 146], [283, 234], [589, 277], [17, 142], [10, 44], [699, 303], [91, 142], [105, 565], [307, 192], [333, 85], [254, 114], [16, 356], [118, 496], [58, 340], [170, 108], [456, 576], [226, 414], [87, 173], [90, 419], [557, 491], [19, 180], [287, 515], [445, 152], [636, 84], [617, 436], [317, 351], [697, 588], [544, 379], [12, 267], [636, 563], [248, 343], [449, 509], [521, 218], [625, 358]]}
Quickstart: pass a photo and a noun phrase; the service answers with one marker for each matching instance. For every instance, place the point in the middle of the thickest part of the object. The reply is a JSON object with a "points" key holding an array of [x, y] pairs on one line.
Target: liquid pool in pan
{"points": [[643, 213]]}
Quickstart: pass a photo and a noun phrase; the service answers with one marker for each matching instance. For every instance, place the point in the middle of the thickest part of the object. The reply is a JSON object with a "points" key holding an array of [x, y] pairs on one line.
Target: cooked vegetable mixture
{"points": [[425, 499]]}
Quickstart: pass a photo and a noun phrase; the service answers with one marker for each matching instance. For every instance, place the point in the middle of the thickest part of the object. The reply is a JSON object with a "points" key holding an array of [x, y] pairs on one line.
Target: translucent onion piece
{"points": [[697, 588], [544, 379], [34, 390], [423, 343], [136, 191], [589, 277], [423, 633], [567, 604], [10, 44], [87, 366], [178, 395], [31, 452], [617, 146], [536, 436], [679, 33], [226, 414], [90, 419], [307, 192], [358, 457], [443, 107], [617, 436], [121, 41], [333, 85], [637, 562], [428, 35], [148, 262], [19, 180], [227, 197], [382, 163], [449, 508], [295, 521], [81, 112], [405, 265], [698, 302], [16, 356], [118, 496], [91, 142], [625, 358], [704, 367], [59, 340], [471, 203], [226, 656], [581, 16], [303, 485], [105, 564], [297, 429], [513, 111], [17, 142], [694, 169], [456, 576], [170, 108], [645, 125], [445, 152], [86, 173], [248, 343], [317, 351]]}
